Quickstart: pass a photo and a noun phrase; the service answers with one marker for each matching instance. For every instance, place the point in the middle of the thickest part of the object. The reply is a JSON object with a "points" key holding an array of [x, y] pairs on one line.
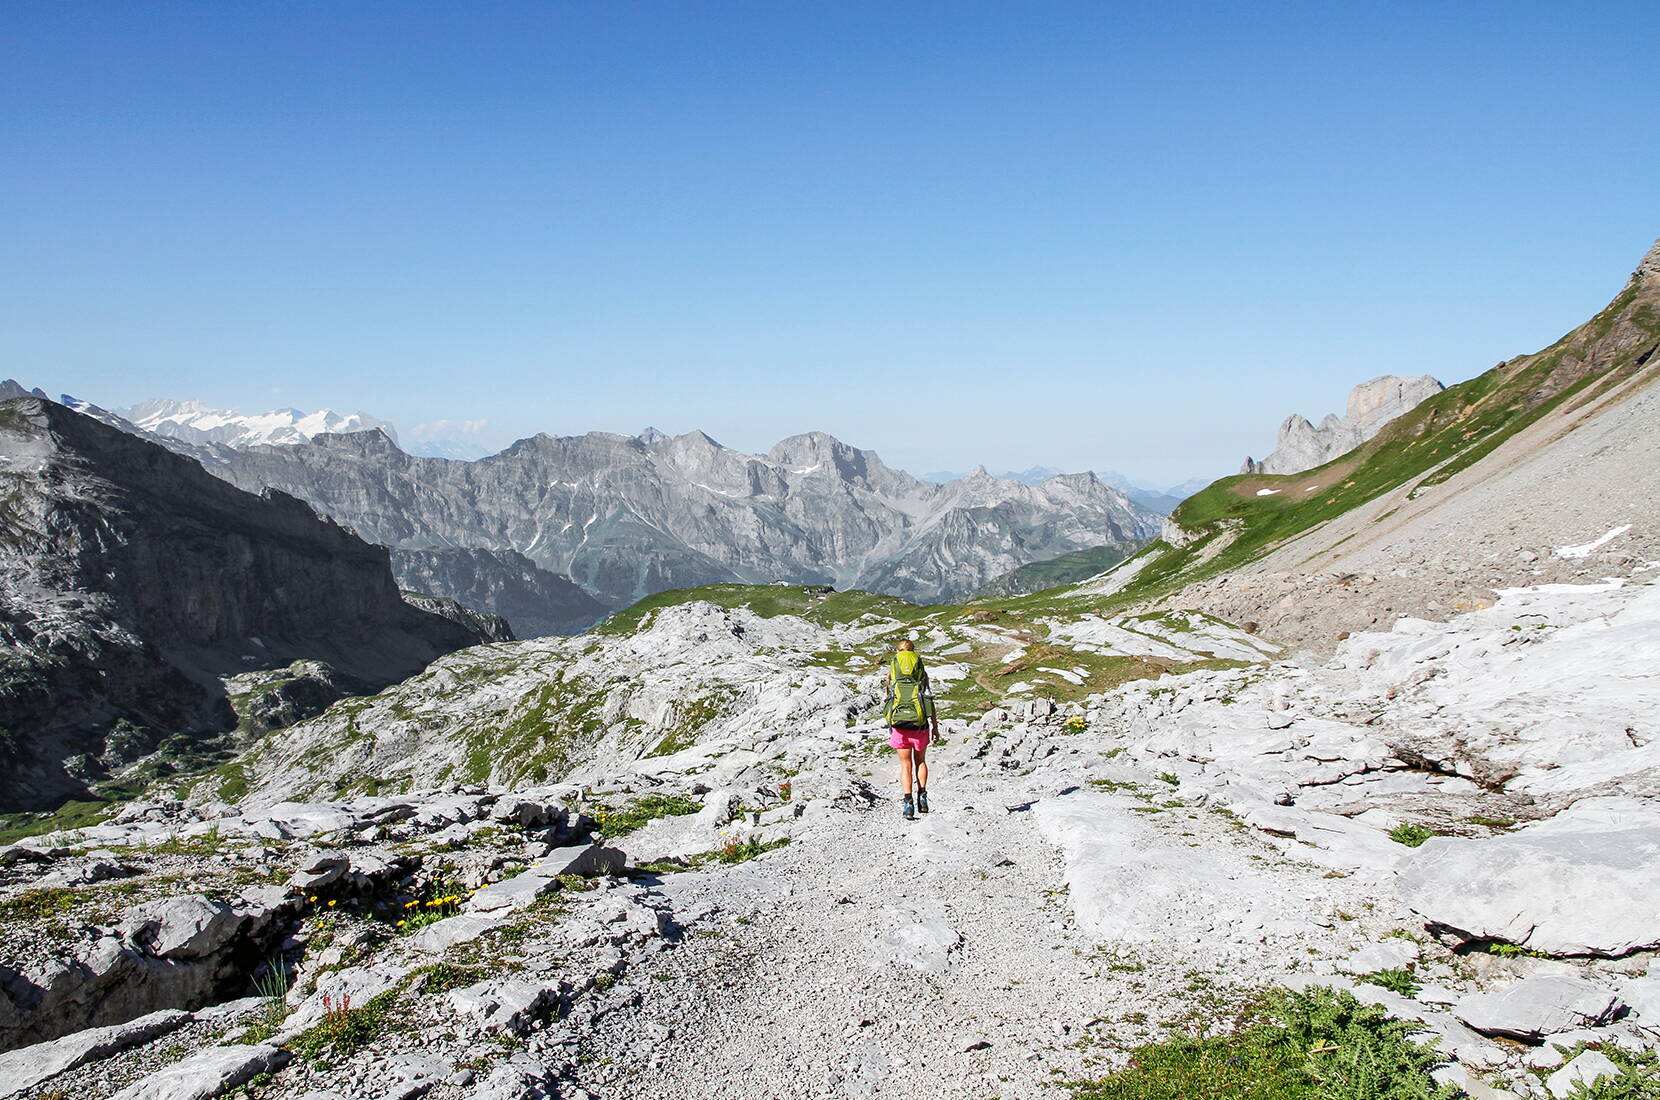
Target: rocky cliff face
{"points": [[625, 516], [1302, 446], [504, 582], [131, 580]]}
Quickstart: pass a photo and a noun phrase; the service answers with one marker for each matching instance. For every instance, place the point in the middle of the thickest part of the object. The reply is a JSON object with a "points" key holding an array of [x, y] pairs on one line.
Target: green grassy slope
{"points": [[1079, 565], [1441, 437]]}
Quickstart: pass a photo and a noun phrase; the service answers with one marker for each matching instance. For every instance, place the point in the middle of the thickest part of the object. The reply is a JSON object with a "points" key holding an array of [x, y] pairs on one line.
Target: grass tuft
{"points": [[1395, 979], [1411, 834], [1314, 1045], [615, 823]]}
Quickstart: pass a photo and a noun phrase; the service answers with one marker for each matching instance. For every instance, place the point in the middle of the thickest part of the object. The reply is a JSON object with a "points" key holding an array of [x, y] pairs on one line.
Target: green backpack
{"points": [[908, 704]]}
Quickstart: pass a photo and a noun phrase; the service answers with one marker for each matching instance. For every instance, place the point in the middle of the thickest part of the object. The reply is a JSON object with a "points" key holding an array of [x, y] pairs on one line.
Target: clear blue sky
{"points": [[1127, 236]]}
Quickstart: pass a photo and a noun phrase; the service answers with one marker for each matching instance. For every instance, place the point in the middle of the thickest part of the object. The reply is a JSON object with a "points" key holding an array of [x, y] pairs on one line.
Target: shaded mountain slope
{"points": [[131, 580], [503, 582]]}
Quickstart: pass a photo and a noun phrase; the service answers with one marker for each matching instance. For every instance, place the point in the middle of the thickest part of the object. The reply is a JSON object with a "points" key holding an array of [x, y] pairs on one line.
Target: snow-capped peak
{"points": [[194, 422]]}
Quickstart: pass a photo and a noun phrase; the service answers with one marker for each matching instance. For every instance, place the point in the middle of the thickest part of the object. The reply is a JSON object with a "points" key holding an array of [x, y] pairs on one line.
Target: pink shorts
{"points": [[907, 739]]}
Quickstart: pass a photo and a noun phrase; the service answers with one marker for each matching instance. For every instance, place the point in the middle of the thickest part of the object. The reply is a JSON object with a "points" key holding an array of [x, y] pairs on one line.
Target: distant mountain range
{"points": [[626, 516], [193, 422]]}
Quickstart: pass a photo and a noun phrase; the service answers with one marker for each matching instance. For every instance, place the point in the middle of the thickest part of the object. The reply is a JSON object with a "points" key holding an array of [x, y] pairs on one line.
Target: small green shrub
{"points": [[737, 850], [1396, 980], [1170, 778], [1508, 950], [41, 903], [1411, 834], [441, 977], [1315, 1045], [344, 1030], [268, 1024]]}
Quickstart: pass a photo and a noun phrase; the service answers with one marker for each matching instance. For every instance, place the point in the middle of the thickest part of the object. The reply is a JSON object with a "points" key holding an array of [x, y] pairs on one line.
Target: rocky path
{"points": [[879, 957]]}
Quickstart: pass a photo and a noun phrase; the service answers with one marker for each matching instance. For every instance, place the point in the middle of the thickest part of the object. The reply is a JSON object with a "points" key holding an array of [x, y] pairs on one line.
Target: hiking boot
{"points": [[908, 808], [922, 800]]}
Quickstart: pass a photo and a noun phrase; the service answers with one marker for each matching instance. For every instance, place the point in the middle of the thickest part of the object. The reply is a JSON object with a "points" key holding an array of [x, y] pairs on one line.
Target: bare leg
{"points": [[905, 770], [921, 769]]}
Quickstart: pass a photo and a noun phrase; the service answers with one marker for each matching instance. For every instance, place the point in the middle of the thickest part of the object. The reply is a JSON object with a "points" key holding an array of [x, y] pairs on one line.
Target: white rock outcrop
{"points": [[1303, 446], [1586, 882]]}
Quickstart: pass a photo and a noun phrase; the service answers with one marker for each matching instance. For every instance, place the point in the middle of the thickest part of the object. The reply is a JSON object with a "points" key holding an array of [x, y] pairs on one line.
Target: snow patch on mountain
{"points": [[1585, 550], [194, 422]]}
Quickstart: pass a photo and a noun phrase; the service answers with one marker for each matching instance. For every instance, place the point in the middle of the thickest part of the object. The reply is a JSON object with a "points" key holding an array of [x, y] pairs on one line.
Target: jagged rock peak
{"points": [[1372, 404], [1648, 269], [369, 440], [1376, 402], [11, 388]]}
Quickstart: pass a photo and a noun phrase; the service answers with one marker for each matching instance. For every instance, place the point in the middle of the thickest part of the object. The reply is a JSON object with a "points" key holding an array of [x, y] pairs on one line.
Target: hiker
{"points": [[910, 717]]}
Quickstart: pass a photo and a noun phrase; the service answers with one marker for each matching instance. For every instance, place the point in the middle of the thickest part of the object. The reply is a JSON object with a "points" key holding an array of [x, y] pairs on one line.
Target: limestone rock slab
{"points": [[1540, 1005]]}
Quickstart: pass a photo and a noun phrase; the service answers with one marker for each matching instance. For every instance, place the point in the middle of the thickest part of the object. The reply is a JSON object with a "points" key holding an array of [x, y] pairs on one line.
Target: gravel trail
{"points": [[879, 957]]}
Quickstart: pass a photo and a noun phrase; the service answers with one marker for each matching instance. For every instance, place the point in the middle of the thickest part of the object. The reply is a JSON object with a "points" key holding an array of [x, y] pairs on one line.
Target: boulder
{"points": [[324, 871], [1586, 882], [1643, 995], [1537, 1006], [586, 860], [505, 1004], [542, 877], [514, 893], [1583, 1070], [186, 927], [206, 1074], [520, 1079], [440, 936], [25, 1068]]}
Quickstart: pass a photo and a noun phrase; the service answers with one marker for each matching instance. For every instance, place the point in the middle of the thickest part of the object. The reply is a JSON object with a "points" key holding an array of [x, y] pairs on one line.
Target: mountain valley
{"points": [[1354, 757]]}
